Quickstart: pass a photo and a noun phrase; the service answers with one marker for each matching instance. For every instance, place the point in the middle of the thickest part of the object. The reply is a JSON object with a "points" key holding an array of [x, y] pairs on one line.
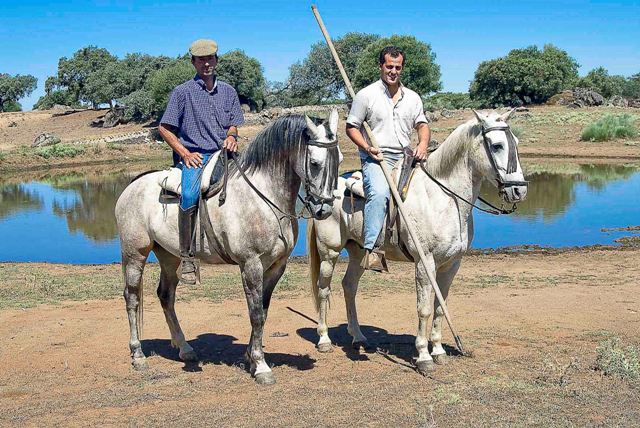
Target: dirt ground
{"points": [[533, 320], [544, 131]]}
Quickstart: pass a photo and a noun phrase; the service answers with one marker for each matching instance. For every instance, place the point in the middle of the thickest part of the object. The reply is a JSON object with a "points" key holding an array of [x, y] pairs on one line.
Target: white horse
{"points": [[255, 228], [482, 148]]}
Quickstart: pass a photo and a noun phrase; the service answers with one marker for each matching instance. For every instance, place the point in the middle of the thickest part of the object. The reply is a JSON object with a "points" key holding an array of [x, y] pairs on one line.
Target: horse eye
{"points": [[315, 162], [497, 146]]}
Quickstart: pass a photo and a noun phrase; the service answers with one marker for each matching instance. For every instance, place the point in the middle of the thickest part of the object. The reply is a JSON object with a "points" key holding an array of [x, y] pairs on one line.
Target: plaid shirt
{"points": [[203, 117]]}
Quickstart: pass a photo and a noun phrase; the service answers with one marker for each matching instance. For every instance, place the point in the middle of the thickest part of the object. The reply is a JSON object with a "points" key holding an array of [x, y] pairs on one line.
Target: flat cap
{"points": [[203, 47]]}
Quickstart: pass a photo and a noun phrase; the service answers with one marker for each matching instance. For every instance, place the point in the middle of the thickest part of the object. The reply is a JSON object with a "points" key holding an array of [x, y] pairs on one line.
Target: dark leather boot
{"points": [[186, 234]]}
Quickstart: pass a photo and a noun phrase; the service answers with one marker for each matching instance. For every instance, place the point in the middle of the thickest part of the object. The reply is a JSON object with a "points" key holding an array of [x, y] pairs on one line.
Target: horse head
{"points": [[318, 165], [501, 164]]}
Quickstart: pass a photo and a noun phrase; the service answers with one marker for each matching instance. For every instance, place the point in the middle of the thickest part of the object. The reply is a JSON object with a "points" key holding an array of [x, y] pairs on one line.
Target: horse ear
{"points": [[333, 121], [313, 129], [506, 116], [479, 117]]}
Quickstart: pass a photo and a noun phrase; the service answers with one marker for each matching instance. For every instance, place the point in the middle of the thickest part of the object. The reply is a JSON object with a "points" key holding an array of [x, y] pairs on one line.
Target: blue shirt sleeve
{"points": [[175, 109], [237, 117]]}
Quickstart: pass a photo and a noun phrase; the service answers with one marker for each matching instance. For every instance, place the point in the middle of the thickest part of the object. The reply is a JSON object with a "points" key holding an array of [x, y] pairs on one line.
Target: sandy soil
{"points": [[533, 320], [546, 131]]}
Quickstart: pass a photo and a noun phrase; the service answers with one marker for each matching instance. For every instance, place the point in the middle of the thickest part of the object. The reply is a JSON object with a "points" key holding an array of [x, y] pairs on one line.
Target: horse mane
{"points": [[275, 143], [441, 162]]}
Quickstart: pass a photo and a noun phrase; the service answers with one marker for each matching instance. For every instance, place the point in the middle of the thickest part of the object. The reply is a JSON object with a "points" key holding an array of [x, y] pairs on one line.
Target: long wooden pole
{"points": [[391, 182]]}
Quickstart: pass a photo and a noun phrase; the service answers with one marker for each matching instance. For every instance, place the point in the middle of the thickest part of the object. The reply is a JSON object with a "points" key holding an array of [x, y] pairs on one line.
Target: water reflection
{"points": [[552, 188], [91, 212], [69, 217], [15, 198]]}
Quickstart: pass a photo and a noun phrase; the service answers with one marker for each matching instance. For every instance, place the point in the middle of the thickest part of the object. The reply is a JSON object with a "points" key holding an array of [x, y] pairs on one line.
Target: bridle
{"points": [[310, 196], [512, 162], [512, 166]]}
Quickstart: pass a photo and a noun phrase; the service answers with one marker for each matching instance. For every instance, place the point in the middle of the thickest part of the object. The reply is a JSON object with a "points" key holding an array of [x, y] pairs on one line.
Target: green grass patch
{"points": [[609, 127], [615, 360], [60, 151], [517, 130]]}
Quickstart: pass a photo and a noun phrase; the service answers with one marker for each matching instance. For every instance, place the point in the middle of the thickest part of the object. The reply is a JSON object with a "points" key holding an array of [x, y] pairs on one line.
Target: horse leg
{"points": [[444, 278], [132, 269], [424, 288], [167, 294], [271, 278], [252, 281], [324, 291], [350, 287]]}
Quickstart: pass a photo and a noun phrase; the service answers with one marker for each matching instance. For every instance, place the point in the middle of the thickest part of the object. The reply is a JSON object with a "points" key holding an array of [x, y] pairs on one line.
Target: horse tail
{"points": [[314, 263]]}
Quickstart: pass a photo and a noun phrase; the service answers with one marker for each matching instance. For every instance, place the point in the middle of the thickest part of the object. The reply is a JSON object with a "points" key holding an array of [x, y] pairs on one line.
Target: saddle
{"points": [[213, 180], [403, 171]]}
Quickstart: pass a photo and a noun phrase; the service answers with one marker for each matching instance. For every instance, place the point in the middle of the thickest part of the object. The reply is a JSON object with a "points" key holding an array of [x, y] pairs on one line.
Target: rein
{"points": [[512, 164], [494, 210]]}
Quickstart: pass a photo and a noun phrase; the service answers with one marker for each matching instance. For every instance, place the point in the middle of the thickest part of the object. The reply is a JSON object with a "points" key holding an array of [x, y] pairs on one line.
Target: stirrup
{"points": [[191, 275], [374, 260]]}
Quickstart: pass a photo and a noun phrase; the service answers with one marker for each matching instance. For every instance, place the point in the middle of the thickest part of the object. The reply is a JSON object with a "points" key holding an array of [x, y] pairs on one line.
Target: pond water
{"points": [[69, 218]]}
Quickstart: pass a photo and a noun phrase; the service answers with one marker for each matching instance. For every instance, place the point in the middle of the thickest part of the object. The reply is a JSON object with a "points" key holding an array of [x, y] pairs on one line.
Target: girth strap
{"points": [[206, 229]]}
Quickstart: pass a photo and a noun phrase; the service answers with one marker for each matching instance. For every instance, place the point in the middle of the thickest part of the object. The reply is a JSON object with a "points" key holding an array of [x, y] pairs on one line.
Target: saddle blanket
{"points": [[170, 179]]}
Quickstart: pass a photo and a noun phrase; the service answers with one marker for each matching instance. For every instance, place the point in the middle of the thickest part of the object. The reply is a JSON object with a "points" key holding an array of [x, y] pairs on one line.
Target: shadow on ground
{"points": [[222, 349]]}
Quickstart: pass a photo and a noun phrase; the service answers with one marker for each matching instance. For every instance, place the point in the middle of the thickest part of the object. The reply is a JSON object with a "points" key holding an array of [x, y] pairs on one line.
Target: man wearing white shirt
{"points": [[392, 111]]}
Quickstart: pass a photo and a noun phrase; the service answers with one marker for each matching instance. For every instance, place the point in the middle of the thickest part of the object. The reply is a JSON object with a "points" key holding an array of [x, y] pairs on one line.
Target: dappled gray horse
{"points": [[481, 149], [256, 228]]}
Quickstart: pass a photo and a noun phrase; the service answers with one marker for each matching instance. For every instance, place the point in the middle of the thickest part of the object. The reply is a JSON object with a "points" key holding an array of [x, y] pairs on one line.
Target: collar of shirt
{"points": [[385, 89], [203, 85]]}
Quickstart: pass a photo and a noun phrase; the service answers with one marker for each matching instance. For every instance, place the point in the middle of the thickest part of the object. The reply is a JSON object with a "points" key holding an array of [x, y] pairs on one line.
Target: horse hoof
{"points": [[425, 367], [440, 359], [189, 357], [325, 347], [362, 345], [140, 364], [266, 378]]}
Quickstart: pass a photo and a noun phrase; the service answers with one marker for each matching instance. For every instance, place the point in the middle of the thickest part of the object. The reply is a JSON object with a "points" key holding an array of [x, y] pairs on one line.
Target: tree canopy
{"points": [[524, 76], [12, 88], [420, 72], [74, 72], [317, 78], [245, 75]]}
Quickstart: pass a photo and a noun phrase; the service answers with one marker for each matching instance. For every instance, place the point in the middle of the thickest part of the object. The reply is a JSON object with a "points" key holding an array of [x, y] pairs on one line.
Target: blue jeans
{"points": [[377, 195], [190, 183]]}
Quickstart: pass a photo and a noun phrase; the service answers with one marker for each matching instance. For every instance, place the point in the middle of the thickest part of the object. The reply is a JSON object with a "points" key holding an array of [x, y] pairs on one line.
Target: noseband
{"points": [[512, 163], [310, 196]]}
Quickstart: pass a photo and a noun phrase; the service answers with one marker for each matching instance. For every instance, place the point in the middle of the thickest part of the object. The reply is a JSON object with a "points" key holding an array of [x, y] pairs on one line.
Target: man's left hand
{"points": [[231, 144], [420, 152]]}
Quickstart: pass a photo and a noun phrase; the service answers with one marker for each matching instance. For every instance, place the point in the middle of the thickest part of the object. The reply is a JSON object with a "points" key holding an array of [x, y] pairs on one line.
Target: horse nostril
{"points": [[516, 190]]}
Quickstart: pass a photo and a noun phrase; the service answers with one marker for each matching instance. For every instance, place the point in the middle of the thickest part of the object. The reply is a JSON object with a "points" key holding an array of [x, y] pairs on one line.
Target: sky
{"points": [[36, 34]]}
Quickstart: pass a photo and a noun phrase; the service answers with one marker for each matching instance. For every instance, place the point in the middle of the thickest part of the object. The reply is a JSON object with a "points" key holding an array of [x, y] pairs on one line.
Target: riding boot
{"points": [[186, 234]]}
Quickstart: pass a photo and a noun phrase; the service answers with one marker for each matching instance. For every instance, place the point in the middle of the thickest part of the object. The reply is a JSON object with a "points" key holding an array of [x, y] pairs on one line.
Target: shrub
{"points": [[600, 81], [138, 106], [450, 101], [609, 127], [60, 151], [613, 360]]}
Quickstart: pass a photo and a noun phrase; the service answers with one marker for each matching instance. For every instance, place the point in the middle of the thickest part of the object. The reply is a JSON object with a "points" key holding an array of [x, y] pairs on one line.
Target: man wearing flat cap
{"points": [[201, 118]]}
